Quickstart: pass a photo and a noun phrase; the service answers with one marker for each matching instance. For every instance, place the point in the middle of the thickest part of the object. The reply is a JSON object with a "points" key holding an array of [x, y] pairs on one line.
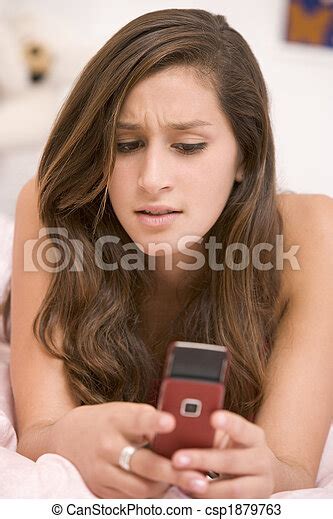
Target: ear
{"points": [[239, 177]]}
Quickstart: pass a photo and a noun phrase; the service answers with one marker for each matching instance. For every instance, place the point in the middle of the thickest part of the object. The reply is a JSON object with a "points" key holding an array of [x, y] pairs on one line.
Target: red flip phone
{"points": [[193, 386]]}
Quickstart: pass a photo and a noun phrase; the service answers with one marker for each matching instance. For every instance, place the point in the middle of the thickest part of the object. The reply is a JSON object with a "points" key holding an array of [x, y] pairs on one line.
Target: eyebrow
{"points": [[123, 125]]}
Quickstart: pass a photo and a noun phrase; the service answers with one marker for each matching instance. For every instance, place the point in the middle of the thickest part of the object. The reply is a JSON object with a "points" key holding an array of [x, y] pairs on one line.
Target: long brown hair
{"points": [[98, 310]]}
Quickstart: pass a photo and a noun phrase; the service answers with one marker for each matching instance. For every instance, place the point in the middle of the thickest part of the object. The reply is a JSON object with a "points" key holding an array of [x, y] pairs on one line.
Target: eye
{"points": [[189, 149], [127, 147], [186, 149]]}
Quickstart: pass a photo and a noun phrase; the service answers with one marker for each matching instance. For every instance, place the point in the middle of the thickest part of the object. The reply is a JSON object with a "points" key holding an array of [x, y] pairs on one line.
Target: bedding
{"points": [[53, 476]]}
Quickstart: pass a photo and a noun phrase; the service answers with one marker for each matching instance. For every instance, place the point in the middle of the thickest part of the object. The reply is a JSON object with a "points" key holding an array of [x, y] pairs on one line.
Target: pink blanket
{"points": [[53, 476]]}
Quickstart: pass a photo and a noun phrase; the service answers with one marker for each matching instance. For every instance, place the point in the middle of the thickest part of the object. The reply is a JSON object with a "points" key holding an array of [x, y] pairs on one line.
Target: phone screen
{"points": [[198, 363]]}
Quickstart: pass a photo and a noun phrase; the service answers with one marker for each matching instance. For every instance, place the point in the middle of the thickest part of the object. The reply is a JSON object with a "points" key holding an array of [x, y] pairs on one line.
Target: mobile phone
{"points": [[193, 386]]}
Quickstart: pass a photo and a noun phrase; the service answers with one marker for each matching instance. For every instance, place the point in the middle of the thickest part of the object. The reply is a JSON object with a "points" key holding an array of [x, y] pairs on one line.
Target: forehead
{"points": [[172, 95]]}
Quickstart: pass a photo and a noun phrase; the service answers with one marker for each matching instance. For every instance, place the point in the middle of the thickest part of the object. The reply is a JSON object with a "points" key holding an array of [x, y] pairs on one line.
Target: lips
{"points": [[148, 213], [157, 221], [162, 209]]}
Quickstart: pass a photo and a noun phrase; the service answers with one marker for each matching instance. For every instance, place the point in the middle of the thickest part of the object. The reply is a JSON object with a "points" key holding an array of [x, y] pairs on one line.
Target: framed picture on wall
{"points": [[310, 21]]}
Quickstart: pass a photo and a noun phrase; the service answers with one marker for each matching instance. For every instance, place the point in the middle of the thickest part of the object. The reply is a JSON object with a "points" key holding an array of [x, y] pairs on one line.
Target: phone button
{"points": [[190, 407]]}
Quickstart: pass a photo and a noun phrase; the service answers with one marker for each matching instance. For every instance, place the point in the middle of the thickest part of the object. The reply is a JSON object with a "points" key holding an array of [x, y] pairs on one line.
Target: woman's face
{"points": [[151, 167]]}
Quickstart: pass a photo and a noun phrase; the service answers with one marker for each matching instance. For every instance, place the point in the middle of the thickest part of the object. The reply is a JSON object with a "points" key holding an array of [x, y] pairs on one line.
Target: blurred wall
{"points": [[299, 79]]}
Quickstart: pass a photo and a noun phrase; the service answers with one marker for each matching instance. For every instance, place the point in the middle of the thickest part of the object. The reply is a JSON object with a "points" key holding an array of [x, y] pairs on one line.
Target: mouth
{"points": [[159, 213], [154, 220]]}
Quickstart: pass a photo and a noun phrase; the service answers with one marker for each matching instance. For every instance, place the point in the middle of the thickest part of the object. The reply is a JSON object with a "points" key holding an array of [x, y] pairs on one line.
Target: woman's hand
{"points": [[92, 436], [240, 450]]}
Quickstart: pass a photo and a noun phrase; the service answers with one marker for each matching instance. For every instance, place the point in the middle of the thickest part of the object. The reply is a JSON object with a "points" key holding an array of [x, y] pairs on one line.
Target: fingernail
{"points": [[222, 419], [182, 460], [165, 421], [198, 485]]}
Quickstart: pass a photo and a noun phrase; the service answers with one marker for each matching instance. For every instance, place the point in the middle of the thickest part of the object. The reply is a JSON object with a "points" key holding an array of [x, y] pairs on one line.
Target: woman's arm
{"points": [[39, 439], [41, 394], [282, 449], [298, 405]]}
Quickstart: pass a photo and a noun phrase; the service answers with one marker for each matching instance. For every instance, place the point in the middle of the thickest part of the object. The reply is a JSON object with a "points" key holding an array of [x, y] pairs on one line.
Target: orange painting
{"points": [[311, 21]]}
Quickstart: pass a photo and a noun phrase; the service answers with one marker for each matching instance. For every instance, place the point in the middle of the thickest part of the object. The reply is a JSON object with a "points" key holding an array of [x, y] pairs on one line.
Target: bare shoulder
{"points": [[307, 225], [27, 219], [27, 202], [305, 216], [297, 205]]}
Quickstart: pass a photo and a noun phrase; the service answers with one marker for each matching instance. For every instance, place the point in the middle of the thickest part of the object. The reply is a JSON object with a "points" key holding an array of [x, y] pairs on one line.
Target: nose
{"points": [[154, 173]]}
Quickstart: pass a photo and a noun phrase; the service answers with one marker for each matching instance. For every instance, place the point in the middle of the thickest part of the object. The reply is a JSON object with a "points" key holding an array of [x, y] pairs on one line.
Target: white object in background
{"points": [[6, 242]]}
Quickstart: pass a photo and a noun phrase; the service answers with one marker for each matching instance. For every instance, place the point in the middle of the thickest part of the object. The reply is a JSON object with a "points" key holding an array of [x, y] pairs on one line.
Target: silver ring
{"points": [[126, 454]]}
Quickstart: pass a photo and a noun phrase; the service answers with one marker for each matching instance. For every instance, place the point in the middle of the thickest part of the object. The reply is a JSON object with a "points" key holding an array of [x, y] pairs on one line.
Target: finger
{"points": [[110, 493], [146, 462], [237, 488], [228, 461], [142, 421], [129, 484], [238, 428], [221, 440]]}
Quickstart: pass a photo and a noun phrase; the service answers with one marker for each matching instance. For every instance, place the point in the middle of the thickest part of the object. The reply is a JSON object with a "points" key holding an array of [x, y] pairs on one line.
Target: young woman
{"points": [[172, 112]]}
